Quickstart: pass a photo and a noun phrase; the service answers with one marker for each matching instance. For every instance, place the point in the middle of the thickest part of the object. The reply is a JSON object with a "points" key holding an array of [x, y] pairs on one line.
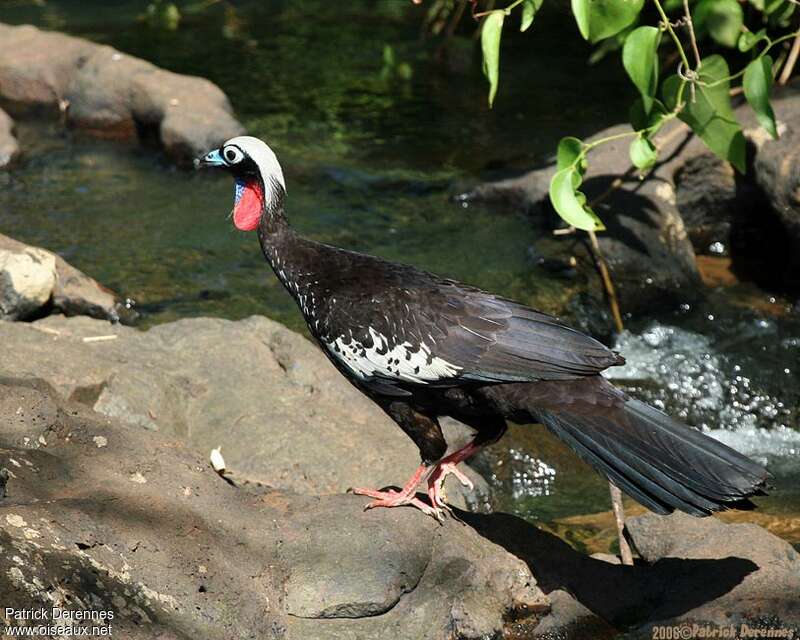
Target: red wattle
{"points": [[247, 211]]}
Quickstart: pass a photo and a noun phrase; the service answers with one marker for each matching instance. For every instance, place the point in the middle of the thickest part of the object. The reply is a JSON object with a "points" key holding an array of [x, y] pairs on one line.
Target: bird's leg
{"points": [[424, 430], [406, 496], [445, 467]]}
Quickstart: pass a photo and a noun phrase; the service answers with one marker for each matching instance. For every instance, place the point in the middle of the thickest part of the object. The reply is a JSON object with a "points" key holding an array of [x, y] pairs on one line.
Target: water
{"points": [[371, 160]]}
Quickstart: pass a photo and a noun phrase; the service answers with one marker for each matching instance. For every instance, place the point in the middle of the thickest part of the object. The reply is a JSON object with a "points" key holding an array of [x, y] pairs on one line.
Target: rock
{"points": [[771, 591], [27, 278], [9, 149], [776, 172], [283, 415], [706, 196], [111, 93], [32, 279], [103, 517], [598, 597]]}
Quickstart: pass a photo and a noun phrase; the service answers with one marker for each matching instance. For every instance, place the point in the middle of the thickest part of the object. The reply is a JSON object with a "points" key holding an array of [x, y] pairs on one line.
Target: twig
{"points": [[607, 283], [619, 516], [112, 336], [690, 26], [790, 61]]}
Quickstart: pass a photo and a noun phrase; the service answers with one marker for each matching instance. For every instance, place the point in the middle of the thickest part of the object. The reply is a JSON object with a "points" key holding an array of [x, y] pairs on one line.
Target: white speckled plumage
{"points": [[401, 362]]}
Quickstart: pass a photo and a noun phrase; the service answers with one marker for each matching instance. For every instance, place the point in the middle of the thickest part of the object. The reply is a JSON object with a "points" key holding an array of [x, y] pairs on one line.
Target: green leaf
{"points": [[643, 153], [757, 83], [710, 115], [722, 19], [640, 59], [569, 149], [529, 9], [748, 39], [490, 44], [571, 205], [599, 19]]}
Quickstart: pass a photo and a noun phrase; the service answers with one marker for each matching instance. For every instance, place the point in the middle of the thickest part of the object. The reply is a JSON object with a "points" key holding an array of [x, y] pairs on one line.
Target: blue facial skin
{"points": [[240, 184], [213, 159]]}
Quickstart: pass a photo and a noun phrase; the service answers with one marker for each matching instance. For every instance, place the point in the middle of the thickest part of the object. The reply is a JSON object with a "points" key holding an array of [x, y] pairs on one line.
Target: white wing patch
{"points": [[403, 361]]}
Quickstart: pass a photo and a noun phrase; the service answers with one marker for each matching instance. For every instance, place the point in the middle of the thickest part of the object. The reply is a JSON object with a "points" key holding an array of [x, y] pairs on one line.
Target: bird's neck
{"points": [[280, 243]]}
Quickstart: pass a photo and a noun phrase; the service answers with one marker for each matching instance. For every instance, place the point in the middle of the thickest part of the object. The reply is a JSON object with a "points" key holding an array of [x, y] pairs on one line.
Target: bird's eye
{"points": [[233, 155]]}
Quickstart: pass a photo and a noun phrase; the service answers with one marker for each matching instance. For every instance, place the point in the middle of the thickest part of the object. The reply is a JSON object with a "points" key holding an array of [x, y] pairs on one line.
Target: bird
{"points": [[423, 347]]}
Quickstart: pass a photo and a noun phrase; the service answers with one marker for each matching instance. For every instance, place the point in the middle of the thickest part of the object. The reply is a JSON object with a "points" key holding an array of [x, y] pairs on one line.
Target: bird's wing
{"points": [[400, 324], [493, 339]]}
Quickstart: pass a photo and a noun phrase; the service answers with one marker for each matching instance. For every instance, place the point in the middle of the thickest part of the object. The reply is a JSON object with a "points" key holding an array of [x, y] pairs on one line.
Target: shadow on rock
{"points": [[624, 596]]}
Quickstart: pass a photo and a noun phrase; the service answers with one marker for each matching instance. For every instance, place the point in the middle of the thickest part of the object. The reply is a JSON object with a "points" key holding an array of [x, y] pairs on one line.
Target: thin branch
{"points": [[608, 285], [690, 26], [619, 517], [668, 26], [790, 61]]}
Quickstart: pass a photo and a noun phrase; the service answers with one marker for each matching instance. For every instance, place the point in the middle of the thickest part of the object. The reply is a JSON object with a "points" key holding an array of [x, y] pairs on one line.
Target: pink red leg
{"points": [[445, 467], [406, 496]]}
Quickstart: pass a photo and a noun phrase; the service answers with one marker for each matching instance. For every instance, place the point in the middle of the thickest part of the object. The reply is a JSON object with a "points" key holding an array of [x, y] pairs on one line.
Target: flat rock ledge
{"points": [[34, 281], [109, 93], [104, 517]]}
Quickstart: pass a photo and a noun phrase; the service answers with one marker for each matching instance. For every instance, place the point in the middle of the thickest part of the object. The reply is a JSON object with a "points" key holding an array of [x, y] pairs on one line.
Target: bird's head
{"points": [[259, 179]]}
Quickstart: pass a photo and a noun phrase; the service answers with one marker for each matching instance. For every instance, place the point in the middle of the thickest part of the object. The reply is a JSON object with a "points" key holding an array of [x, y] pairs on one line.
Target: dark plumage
{"points": [[422, 346]]}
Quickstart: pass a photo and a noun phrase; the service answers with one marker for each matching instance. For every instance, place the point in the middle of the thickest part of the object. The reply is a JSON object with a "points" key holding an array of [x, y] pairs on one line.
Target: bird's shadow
{"points": [[624, 596]]}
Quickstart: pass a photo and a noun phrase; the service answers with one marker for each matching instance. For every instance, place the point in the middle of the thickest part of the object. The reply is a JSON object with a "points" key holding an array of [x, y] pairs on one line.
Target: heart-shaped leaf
{"points": [[710, 114], [490, 45], [722, 19], [571, 204], [640, 59], [599, 19], [757, 82]]}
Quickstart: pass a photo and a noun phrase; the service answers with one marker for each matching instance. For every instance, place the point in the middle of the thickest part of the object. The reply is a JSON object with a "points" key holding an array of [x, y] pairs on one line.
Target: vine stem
{"points": [[668, 26], [507, 10], [690, 26]]}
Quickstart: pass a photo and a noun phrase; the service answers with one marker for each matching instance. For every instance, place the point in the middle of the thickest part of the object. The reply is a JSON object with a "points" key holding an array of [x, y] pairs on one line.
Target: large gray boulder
{"points": [[102, 517], [100, 89], [283, 415], [34, 281]]}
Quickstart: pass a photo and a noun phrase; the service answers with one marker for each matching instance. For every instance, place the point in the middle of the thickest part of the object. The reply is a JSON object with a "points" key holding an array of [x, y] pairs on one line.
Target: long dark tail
{"points": [[661, 463]]}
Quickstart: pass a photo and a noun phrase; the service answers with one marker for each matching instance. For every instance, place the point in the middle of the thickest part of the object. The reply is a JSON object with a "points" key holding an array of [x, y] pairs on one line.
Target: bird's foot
{"points": [[406, 496], [445, 467], [391, 498]]}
